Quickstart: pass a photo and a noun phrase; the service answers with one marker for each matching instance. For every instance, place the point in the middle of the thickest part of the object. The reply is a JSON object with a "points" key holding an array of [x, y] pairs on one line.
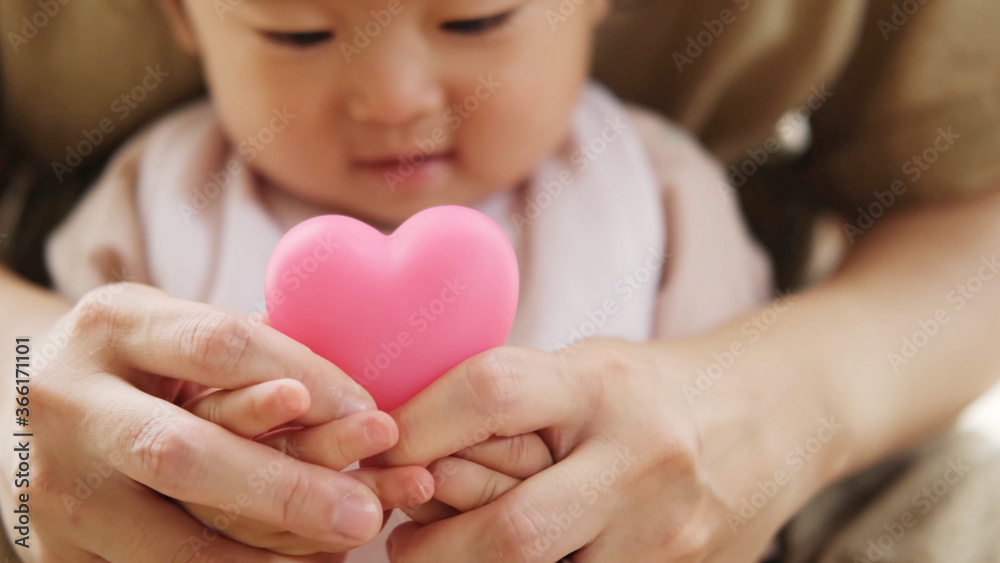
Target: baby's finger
{"points": [[397, 487], [466, 485], [519, 456], [430, 512], [339, 443], [253, 410]]}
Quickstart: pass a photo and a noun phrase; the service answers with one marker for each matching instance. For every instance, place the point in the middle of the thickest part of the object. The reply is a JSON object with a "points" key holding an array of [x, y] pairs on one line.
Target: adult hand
{"points": [[110, 445], [263, 412], [479, 474], [643, 472]]}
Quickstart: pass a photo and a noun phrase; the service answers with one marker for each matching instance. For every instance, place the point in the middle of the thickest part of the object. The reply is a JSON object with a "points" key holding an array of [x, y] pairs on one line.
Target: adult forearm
{"points": [[821, 384], [914, 339], [26, 309], [903, 337]]}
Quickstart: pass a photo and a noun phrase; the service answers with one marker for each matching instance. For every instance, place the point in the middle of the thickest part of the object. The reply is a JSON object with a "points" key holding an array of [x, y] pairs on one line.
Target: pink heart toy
{"points": [[395, 312]]}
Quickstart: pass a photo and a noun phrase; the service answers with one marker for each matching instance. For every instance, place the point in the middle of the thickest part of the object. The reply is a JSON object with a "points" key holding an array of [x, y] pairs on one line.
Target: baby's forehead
{"points": [[365, 4], [304, 11]]}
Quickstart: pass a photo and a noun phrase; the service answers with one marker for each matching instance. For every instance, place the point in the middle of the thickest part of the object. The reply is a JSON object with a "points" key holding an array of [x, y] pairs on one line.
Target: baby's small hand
{"points": [[480, 474], [265, 412]]}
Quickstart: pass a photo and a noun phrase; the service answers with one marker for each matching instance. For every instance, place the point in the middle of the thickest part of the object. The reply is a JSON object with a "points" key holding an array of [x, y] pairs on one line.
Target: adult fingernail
{"points": [[356, 517], [354, 405]]}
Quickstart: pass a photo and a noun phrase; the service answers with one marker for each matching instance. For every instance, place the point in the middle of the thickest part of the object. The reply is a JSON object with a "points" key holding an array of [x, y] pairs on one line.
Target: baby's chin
{"points": [[390, 211], [381, 207]]}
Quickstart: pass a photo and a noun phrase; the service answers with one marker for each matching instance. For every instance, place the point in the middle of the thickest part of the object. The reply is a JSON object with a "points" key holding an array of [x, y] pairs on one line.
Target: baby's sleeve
{"points": [[715, 270], [101, 242]]}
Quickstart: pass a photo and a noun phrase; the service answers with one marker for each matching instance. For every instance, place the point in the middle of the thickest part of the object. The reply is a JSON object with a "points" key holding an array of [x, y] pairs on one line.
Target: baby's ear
{"points": [[180, 22]]}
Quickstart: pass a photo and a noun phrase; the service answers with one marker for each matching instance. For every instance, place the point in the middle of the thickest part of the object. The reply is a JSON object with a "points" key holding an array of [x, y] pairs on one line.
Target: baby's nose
{"points": [[393, 84]]}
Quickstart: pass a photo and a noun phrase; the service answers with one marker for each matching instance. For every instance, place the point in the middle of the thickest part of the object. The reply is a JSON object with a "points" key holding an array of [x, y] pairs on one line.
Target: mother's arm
{"points": [[917, 306], [654, 464]]}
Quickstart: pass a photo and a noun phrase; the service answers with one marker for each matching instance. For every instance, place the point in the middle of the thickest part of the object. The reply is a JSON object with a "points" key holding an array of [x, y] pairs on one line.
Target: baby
{"points": [[622, 225]]}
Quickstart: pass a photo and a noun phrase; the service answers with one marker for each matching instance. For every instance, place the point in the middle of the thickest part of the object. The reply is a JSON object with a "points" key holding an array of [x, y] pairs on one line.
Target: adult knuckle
{"points": [[295, 500], [615, 364], [494, 380], [340, 454], [611, 367], [320, 383], [96, 312], [516, 532], [671, 449], [214, 340], [410, 446], [161, 449], [688, 542]]}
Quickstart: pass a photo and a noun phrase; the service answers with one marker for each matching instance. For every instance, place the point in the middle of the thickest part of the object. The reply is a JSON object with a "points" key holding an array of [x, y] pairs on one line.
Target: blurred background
{"points": [[818, 110]]}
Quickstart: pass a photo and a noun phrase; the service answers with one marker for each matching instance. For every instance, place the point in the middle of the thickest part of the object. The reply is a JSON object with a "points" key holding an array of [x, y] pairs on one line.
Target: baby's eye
{"points": [[478, 25], [299, 39]]}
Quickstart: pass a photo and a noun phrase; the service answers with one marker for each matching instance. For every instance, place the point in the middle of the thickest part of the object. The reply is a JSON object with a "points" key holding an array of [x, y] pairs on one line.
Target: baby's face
{"points": [[393, 106]]}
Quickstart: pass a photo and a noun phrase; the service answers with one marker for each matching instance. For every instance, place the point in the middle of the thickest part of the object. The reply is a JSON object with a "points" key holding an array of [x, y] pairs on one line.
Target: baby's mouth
{"points": [[400, 163], [413, 171]]}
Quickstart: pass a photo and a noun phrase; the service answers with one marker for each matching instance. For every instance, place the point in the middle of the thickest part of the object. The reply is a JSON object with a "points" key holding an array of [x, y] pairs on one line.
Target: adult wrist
{"points": [[768, 428]]}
